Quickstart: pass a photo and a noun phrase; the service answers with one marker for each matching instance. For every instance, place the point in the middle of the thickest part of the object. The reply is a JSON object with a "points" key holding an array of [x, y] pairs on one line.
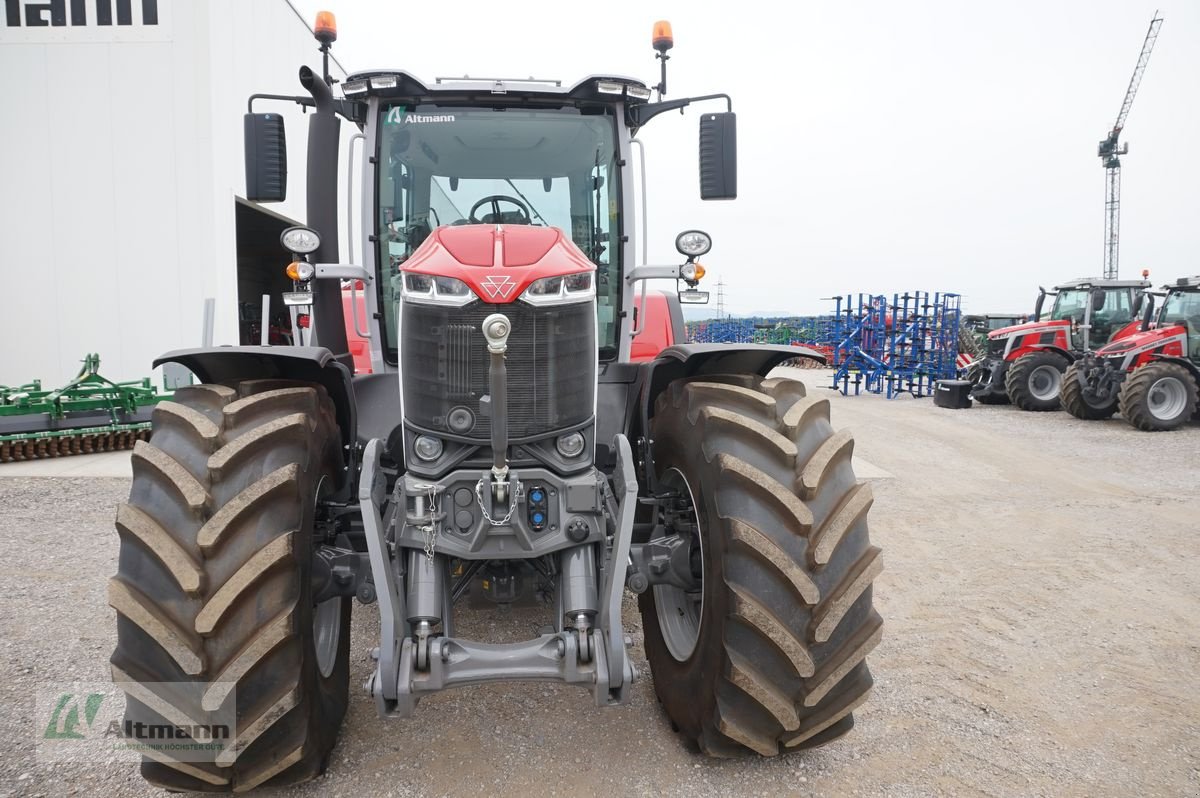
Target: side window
{"points": [[1117, 305]]}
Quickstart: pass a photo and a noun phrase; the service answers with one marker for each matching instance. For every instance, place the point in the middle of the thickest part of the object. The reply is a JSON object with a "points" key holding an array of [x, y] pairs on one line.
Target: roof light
{"points": [[354, 87], [326, 28], [610, 87], [662, 39], [384, 82], [637, 92]]}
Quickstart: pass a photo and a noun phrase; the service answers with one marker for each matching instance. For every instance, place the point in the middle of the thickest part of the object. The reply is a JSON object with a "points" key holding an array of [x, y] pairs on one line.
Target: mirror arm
{"points": [[350, 111], [305, 101], [639, 115]]}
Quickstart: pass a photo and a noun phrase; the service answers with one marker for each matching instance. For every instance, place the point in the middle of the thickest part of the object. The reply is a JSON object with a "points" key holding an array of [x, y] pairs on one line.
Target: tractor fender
{"points": [[1070, 356], [306, 363], [695, 360], [1192, 368]]}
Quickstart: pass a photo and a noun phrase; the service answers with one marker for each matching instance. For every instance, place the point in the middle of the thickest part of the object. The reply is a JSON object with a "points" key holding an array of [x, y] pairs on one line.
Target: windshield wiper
{"points": [[527, 202]]}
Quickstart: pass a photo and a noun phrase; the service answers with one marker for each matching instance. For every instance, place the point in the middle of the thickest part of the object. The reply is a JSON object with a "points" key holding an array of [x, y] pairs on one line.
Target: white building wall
{"points": [[121, 149]]}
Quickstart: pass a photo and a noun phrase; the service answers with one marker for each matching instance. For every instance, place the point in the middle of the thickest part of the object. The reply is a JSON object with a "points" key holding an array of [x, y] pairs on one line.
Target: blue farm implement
{"points": [[902, 346]]}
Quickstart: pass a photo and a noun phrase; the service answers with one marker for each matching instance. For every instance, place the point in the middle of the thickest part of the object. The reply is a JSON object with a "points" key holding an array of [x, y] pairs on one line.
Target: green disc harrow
{"points": [[89, 414]]}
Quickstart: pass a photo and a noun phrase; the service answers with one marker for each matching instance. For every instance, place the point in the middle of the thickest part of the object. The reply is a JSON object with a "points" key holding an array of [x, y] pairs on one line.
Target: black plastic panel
{"points": [[551, 363]]}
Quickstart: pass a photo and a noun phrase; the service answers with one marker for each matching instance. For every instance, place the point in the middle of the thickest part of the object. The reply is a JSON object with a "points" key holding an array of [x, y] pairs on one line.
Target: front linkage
{"points": [[585, 531]]}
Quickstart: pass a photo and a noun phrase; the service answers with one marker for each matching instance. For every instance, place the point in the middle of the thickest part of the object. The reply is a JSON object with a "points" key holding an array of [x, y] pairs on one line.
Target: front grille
{"points": [[551, 364], [995, 347]]}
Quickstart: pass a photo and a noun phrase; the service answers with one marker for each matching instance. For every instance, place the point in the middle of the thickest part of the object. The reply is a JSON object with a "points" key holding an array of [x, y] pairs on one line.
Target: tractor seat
{"points": [[506, 217]]}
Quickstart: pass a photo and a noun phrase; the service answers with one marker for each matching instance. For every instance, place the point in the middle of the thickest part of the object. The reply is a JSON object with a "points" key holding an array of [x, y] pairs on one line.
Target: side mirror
{"points": [[1148, 316], [1037, 307], [1137, 303], [1097, 296], [718, 156], [266, 158]]}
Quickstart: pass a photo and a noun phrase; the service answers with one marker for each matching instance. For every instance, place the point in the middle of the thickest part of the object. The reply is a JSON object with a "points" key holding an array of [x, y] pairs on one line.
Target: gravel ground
{"points": [[1041, 637]]}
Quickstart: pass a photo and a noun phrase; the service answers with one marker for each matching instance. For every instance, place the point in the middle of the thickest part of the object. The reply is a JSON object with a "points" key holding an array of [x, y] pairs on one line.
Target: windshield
{"points": [[1181, 306], [1116, 307], [1069, 305], [453, 165]]}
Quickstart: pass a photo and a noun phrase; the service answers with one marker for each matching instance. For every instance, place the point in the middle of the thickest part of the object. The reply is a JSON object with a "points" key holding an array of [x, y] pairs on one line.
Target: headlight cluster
{"points": [[430, 290], [561, 290]]}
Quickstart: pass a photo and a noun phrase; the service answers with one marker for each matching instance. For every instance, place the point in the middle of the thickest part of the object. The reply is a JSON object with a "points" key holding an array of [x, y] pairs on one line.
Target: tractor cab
{"points": [[460, 152], [1182, 307], [1096, 309]]}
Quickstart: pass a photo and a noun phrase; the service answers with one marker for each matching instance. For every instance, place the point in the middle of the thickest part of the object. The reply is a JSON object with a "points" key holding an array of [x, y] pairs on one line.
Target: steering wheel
{"points": [[494, 200]]}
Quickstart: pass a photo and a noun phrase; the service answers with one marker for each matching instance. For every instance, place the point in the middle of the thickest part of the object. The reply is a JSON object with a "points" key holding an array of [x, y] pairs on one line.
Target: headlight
{"points": [[432, 290], [577, 287], [693, 243], [427, 447], [300, 240], [570, 445]]}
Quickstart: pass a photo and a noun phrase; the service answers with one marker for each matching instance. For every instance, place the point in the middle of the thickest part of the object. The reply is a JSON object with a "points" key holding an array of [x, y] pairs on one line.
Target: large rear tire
{"points": [[1080, 401], [213, 592], [1034, 381], [770, 655], [1158, 397]]}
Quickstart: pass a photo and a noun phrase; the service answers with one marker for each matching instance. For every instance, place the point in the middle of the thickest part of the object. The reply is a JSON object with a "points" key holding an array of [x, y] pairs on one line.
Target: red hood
{"points": [[1029, 327], [1140, 339], [498, 262]]}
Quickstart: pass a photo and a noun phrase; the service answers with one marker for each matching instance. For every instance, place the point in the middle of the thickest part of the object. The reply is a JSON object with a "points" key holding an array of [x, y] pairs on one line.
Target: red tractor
{"points": [[509, 439], [1024, 364], [1151, 376]]}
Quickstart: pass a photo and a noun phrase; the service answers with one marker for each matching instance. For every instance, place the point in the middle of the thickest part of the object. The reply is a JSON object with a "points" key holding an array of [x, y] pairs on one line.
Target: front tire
{"points": [[1034, 381], [1158, 397], [773, 656], [213, 592], [1079, 400]]}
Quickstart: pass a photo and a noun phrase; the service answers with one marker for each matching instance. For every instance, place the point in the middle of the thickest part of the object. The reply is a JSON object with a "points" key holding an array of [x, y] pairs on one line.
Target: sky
{"points": [[883, 147]]}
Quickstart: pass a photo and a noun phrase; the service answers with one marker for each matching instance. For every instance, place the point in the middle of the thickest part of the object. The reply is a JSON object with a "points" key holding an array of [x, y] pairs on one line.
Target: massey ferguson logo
{"points": [[54, 13], [498, 287]]}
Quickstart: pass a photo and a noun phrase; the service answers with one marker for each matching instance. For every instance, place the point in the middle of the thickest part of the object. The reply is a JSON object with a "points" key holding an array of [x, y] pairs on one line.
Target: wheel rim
{"points": [[1167, 398], [1045, 382], [680, 612], [327, 630], [327, 619]]}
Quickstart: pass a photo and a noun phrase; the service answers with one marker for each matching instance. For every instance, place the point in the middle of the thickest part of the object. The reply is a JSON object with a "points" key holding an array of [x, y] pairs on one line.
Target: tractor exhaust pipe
{"points": [[496, 329], [324, 136]]}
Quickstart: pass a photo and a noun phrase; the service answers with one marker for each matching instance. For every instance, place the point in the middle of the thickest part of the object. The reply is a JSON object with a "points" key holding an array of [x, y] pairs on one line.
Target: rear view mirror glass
{"points": [[266, 158], [718, 156]]}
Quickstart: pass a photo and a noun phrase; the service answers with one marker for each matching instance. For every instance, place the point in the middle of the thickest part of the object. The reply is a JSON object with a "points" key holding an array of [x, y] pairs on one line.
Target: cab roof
{"points": [[409, 86], [1096, 282]]}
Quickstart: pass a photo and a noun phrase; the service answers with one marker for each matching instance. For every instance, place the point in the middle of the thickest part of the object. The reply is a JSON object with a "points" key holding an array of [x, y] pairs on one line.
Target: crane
{"points": [[1109, 153]]}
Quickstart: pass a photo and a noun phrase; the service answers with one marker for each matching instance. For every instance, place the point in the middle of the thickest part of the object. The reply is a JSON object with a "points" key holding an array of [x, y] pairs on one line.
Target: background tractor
{"points": [[1024, 364], [1153, 375], [505, 438]]}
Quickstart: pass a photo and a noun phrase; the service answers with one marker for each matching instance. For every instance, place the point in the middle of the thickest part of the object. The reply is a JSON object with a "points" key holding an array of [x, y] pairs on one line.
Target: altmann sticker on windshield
{"points": [[398, 116]]}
